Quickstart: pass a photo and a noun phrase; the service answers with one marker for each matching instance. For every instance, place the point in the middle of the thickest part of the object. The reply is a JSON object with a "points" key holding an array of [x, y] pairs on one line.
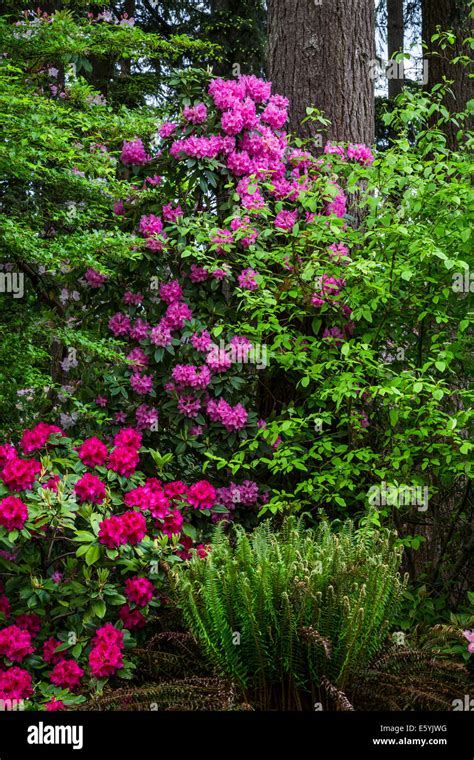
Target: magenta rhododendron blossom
{"points": [[93, 452], [49, 650], [246, 279], [124, 459], [469, 635], [38, 437], [15, 684], [67, 674], [90, 488], [128, 437], [201, 495], [132, 619], [15, 643], [134, 153], [13, 513], [94, 279], [55, 705], [139, 591], [20, 474]]}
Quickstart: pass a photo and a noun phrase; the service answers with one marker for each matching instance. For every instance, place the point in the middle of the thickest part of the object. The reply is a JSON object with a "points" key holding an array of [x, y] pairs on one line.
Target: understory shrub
{"points": [[285, 613], [86, 540]]}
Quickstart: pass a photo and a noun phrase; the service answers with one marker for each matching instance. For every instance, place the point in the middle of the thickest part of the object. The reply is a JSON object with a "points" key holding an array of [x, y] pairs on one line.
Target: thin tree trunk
{"points": [[321, 53], [449, 15], [395, 40]]}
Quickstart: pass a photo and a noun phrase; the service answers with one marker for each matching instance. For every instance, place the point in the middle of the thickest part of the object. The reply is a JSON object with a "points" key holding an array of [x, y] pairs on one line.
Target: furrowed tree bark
{"points": [[449, 15], [321, 53], [395, 40]]}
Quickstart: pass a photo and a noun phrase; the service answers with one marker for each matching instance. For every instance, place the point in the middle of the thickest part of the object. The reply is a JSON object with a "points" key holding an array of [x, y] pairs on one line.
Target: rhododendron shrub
{"points": [[85, 530], [290, 316], [214, 202]]}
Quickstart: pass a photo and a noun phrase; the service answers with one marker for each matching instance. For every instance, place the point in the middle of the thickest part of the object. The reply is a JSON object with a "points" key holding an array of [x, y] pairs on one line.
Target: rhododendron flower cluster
{"points": [[15, 643], [15, 684], [90, 488], [13, 513], [93, 452], [139, 591], [67, 674], [134, 153], [106, 655], [38, 437], [129, 528], [20, 474]]}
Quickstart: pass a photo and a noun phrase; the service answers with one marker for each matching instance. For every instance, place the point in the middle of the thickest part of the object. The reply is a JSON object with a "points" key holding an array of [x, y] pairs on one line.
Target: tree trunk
{"points": [[395, 35], [322, 53], [449, 15]]}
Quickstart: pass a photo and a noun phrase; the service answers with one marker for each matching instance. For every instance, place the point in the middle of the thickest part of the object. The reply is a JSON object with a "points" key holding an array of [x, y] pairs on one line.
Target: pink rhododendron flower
{"points": [[201, 342], [38, 437], [176, 315], [246, 279], [360, 153], [142, 384], [201, 495], [13, 513], [134, 527], [132, 299], [150, 225], [286, 220], [195, 114], [167, 129], [139, 330], [90, 488], [146, 417], [131, 619], [124, 460], [175, 489], [150, 497], [101, 401], [92, 452], [20, 474], [49, 650], [139, 591], [189, 406], [198, 274], [138, 357], [134, 153], [94, 279], [469, 635], [171, 214], [105, 659], [54, 705], [15, 683], [256, 88], [111, 532], [161, 335], [119, 324], [67, 674], [52, 483], [15, 643], [7, 453], [128, 437], [171, 291], [172, 523], [335, 149], [219, 359]]}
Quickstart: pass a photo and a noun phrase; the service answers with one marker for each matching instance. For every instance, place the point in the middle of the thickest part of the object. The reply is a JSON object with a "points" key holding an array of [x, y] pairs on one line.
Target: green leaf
{"points": [[93, 554], [99, 608]]}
